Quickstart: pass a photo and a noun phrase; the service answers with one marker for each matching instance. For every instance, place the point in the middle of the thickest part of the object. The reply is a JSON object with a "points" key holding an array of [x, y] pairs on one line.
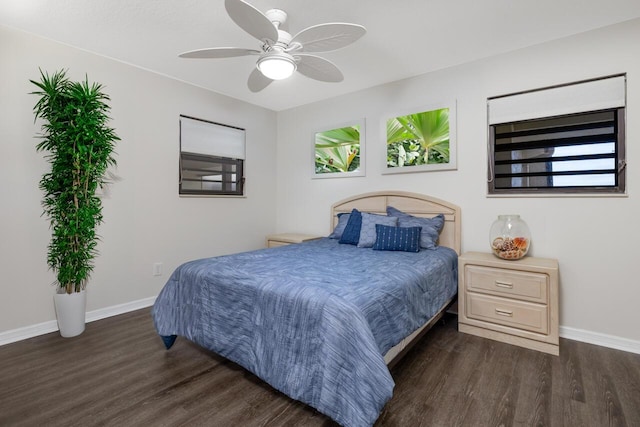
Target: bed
{"points": [[320, 321]]}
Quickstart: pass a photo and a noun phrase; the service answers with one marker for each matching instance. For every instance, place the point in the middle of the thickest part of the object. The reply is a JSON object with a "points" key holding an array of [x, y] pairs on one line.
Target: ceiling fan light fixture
{"points": [[276, 65]]}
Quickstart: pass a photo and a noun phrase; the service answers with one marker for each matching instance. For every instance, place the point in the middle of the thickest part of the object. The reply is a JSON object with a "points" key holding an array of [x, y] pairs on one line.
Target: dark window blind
{"points": [[581, 152]]}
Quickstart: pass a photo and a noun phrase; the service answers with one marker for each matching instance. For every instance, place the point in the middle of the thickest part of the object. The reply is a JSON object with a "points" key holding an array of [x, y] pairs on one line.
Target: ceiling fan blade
{"points": [[219, 52], [318, 68], [251, 20], [327, 37], [257, 81]]}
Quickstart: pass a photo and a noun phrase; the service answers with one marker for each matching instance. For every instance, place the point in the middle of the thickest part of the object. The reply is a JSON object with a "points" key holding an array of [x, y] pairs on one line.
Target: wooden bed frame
{"points": [[419, 205]]}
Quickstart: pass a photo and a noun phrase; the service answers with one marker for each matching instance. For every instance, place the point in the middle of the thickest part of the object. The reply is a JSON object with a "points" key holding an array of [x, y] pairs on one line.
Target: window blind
{"points": [[201, 137], [593, 95], [576, 151]]}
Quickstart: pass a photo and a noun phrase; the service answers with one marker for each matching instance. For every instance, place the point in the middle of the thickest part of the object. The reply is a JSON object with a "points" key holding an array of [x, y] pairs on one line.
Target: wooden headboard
{"points": [[412, 203]]}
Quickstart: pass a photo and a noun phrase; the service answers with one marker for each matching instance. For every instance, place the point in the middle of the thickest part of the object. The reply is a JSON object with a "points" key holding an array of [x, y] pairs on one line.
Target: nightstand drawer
{"points": [[502, 311], [528, 286]]}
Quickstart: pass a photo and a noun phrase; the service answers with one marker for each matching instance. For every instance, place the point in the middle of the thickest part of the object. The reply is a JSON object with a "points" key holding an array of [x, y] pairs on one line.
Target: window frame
{"points": [[216, 161], [618, 121]]}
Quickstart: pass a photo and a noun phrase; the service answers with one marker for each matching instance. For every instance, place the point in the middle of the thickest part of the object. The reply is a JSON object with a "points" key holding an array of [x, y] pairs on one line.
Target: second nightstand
{"points": [[510, 301], [282, 239]]}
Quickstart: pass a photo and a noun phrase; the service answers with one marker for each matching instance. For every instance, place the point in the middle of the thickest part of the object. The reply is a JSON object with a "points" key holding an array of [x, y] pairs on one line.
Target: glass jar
{"points": [[509, 237]]}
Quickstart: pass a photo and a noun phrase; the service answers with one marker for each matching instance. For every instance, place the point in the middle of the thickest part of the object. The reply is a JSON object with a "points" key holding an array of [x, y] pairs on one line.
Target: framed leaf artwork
{"points": [[338, 151], [422, 141]]}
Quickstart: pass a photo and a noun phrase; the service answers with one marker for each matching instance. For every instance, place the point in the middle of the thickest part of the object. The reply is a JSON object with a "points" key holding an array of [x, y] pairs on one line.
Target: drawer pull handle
{"points": [[502, 312], [504, 284]]}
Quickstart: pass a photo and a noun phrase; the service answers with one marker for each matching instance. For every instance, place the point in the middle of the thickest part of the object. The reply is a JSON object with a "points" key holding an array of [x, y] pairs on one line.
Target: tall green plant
{"points": [[80, 145]]}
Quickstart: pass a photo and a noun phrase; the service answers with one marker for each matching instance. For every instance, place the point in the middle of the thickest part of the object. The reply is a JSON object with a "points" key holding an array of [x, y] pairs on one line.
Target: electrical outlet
{"points": [[157, 269]]}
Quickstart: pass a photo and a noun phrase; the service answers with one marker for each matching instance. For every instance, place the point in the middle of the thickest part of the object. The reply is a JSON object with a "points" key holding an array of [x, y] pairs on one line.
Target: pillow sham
{"points": [[343, 218], [431, 227], [405, 239], [351, 233], [368, 228]]}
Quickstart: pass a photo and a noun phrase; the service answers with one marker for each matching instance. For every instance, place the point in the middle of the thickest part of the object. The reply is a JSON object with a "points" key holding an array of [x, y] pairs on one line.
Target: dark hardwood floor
{"points": [[118, 374]]}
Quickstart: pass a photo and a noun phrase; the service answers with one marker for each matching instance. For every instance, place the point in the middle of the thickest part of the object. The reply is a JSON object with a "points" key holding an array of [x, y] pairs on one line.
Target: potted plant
{"points": [[80, 148]]}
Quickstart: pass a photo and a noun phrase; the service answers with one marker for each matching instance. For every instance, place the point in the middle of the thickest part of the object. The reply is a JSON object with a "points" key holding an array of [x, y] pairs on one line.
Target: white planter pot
{"points": [[71, 313]]}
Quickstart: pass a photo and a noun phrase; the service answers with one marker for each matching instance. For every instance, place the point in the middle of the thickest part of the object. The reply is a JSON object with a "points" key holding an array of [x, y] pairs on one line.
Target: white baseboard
{"points": [[20, 334], [604, 340], [120, 309], [7, 337]]}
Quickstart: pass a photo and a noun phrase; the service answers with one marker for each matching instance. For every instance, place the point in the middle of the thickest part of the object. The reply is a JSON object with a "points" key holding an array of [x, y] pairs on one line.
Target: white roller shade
{"points": [[574, 98], [197, 136]]}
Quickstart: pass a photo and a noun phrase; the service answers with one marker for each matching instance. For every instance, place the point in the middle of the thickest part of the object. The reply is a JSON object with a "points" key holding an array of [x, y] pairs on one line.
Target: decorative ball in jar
{"points": [[509, 237]]}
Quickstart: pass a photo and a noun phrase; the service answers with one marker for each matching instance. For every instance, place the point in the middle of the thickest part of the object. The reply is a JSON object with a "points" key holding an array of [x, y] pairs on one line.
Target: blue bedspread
{"points": [[312, 319]]}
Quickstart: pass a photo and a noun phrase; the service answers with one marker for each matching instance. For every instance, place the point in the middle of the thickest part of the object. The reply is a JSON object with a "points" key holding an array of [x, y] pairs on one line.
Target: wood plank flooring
{"points": [[118, 374]]}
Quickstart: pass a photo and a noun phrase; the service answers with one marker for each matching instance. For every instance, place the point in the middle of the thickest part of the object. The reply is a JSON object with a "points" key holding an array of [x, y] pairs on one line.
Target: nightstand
{"points": [[275, 240], [515, 302]]}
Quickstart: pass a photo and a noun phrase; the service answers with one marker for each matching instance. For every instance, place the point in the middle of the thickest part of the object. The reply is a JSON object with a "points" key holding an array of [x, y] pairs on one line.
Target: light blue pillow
{"points": [[431, 227], [368, 228], [405, 239], [343, 218]]}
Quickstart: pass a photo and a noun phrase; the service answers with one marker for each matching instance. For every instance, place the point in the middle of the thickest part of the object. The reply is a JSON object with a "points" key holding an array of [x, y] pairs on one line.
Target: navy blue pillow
{"points": [[351, 233], [405, 239]]}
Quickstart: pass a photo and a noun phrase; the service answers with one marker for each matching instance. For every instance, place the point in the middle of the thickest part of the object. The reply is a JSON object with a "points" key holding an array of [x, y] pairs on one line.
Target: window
{"points": [[211, 158], [580, 149]]}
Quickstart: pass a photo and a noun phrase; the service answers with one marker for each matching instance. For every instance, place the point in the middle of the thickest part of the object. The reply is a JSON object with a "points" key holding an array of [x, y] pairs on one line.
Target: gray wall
{"points": [[594, 238], [144, 219]]}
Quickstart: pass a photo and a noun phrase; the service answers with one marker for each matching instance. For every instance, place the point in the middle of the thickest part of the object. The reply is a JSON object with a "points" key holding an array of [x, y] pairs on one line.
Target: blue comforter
{"points": [[312, 319]]}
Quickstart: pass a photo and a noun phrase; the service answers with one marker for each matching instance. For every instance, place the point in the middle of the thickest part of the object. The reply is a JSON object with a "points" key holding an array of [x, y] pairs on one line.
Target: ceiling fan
{"points": [[281, 54]]}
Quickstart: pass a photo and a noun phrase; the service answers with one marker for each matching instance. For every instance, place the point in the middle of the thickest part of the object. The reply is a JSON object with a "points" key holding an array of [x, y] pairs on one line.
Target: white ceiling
{"points": [[404, 37]]}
